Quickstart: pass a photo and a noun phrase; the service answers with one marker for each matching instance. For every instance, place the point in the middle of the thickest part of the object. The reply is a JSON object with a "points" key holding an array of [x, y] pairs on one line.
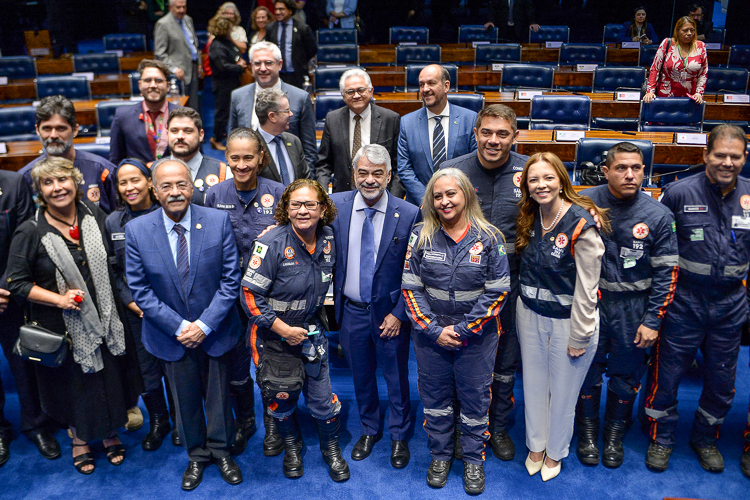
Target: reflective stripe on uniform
{"points": [[656, 414], [710, 418], [545, 295], [665, 260], [444, 412], [284, 306], [499, 284], [510, 248], [259, 280], [735, 271], [694, 267], [411, 279], [636, 286], [467, 295], [437, 293], [474, 422]]}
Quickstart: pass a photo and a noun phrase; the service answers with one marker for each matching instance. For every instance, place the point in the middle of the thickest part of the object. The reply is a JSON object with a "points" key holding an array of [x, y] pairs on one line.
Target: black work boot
{"points": [[158, 417], [587, 426], [328, 432], [272, 443], [617, 419], [657, 457], [709, 457], [502, 445], [473, 478], [243, 398], [290, 435]]}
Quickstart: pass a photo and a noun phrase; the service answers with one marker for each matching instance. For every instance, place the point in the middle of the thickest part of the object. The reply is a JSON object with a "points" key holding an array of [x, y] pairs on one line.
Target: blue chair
{"points": [[672, 114], [327, 79], [592, 149], [412, 76], [18, 124], [612, 33], [324, 104], [582, 53], [610, 79], [550, 34], [400, 34], [72, 87], [726, 81], [474, 102], [406, 54], [526, 76], [202, 39], [105, 114], [468, 33], [336, 36], [646, 55], [338, 54], [497, 53], [126, 42], [92, 147], [563, 112], [739, 56], [99, 64], [16, 68]]}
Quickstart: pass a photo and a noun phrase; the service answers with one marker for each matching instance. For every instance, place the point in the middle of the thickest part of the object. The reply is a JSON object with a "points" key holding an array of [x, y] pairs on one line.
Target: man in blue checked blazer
{"points": [[182, 268], [429, 136]]}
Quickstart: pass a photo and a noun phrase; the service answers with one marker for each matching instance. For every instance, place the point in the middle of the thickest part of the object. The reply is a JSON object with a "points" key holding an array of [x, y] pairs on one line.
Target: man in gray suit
{"points": [[357, 124], [176, 44], [287, 159], [265, 61]]}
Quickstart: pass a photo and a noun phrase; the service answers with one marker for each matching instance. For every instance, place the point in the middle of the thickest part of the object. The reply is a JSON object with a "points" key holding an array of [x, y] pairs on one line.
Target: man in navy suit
{"points": [[372, 236], [140, 131], [433, 134], [183, 271]]}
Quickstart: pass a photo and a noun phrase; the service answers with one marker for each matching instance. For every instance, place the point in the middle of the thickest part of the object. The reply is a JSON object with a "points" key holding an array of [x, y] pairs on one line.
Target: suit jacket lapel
{"points": [[273, 169], [424, 135], [162, 245], [375, 123], [179, 30], [389, 227], [452, 132], [342, 124], [293, 153], [196, 245], [345, 214]]}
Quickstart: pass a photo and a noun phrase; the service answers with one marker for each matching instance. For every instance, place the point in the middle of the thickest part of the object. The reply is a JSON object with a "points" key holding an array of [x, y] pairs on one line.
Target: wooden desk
{"points": [[128, 62], [101, 85]]}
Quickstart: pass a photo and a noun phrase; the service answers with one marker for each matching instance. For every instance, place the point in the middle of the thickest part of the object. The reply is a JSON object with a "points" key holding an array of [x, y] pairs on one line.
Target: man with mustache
{"points": [[185, 135], [56, 127], [639, 274], [182, 268], [429, 136]]}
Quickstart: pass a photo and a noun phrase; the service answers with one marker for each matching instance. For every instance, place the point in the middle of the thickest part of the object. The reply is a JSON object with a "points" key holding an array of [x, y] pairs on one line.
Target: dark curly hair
{"points": [[282, 208]]}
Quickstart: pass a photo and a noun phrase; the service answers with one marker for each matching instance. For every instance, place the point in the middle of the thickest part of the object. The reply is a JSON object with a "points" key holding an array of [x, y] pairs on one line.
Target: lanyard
{"points": [[155, 131]]}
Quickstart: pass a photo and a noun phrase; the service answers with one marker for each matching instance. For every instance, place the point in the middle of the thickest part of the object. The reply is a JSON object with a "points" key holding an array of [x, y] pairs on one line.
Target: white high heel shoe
{"points": [[548, 473], [533, 467]]}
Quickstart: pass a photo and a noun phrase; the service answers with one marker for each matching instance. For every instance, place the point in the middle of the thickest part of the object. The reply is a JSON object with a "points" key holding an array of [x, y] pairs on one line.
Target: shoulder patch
{"points": [[412, 239], [501, 249], [260, 250], [674, 227]]}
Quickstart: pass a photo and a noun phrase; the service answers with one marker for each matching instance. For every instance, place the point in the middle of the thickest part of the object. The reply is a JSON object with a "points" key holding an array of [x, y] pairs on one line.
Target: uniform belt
{"points": [[360, 305]]}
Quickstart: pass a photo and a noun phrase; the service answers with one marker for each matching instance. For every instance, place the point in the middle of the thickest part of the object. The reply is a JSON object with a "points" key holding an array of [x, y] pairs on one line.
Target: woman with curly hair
{"points": [[557, 317]]}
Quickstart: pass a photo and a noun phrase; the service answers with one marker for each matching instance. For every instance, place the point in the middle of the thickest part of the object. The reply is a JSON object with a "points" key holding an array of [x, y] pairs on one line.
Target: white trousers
{"points": [[551, 380]]}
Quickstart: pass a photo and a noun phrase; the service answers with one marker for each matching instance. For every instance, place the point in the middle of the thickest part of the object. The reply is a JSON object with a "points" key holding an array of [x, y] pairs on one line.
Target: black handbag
{"points": [[41, 346]]}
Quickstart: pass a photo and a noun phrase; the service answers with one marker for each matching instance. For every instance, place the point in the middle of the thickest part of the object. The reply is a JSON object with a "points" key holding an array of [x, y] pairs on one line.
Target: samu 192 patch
{"points": [[475, 259]]}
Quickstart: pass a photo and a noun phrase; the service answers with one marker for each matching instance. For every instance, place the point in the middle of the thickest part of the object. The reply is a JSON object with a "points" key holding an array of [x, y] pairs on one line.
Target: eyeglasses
{"points": [[360, 91], [287, 110], [149, 81], [310, 205], [181, 186], [258, 64]]}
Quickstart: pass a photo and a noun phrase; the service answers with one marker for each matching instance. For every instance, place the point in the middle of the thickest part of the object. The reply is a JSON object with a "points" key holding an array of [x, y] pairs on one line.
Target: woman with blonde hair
{"points": [[557, 317], [455, 281]]}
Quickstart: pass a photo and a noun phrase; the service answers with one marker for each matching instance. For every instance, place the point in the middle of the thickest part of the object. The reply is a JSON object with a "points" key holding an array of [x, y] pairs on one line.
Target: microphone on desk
{"points": [[681, 171]]}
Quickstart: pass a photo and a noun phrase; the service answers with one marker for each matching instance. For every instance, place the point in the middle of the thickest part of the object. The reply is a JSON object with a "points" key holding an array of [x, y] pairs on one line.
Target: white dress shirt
{"points": [[351, 283], [272, 149], [364, 127], [445, 121]]}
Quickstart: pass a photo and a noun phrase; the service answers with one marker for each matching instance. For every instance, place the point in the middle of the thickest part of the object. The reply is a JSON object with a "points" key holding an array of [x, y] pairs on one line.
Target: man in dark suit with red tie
{"points": [[140, 131]]}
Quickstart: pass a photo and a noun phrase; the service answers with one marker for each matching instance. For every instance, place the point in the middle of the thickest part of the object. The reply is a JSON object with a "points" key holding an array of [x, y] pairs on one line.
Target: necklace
{"points": [[73, 228], [541, 217]]}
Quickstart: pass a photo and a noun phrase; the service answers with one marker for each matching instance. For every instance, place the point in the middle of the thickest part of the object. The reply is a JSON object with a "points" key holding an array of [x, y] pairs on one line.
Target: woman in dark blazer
{"points": [[227, 67]]}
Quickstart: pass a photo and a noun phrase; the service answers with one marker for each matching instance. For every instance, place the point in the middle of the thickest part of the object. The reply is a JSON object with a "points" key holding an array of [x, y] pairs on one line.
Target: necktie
{"points": [[367, 257], [510, 12], [282, 45], [189, 40], [357, 140], [183, 258], [438, 145], [281, 161]]}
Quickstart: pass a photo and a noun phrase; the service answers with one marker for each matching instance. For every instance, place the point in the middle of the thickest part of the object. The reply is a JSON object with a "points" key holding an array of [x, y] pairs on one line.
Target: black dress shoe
{"points": [[364, 445], [46, 444], [399, 454], [159, 429], [230, 471], [176, 441], [4, 449], [502, 445], [473, 478], [193, 475], [437, 472]]}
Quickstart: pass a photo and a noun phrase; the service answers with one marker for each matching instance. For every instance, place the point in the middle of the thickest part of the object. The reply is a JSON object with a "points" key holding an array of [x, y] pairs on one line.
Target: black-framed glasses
{"points": [[360, 91], [310, 205]]}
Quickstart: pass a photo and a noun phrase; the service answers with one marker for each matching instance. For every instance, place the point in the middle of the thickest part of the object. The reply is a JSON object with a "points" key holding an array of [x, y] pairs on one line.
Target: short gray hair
{"points": [[167, 159], [376, 154], [265, 46], [350, 73], [267, 101]]}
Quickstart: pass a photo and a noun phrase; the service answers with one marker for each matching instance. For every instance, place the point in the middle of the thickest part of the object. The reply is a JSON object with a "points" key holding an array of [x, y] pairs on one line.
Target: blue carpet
{"points": [[157, 474]]}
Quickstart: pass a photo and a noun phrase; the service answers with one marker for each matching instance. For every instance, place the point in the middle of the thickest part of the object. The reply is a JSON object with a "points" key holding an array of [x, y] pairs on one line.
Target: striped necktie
{"points": [[183, 257], [438, 144]]}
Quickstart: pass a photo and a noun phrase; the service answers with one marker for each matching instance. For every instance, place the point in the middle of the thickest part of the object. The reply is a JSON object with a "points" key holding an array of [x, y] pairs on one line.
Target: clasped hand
{"points": [[191, 336]]}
